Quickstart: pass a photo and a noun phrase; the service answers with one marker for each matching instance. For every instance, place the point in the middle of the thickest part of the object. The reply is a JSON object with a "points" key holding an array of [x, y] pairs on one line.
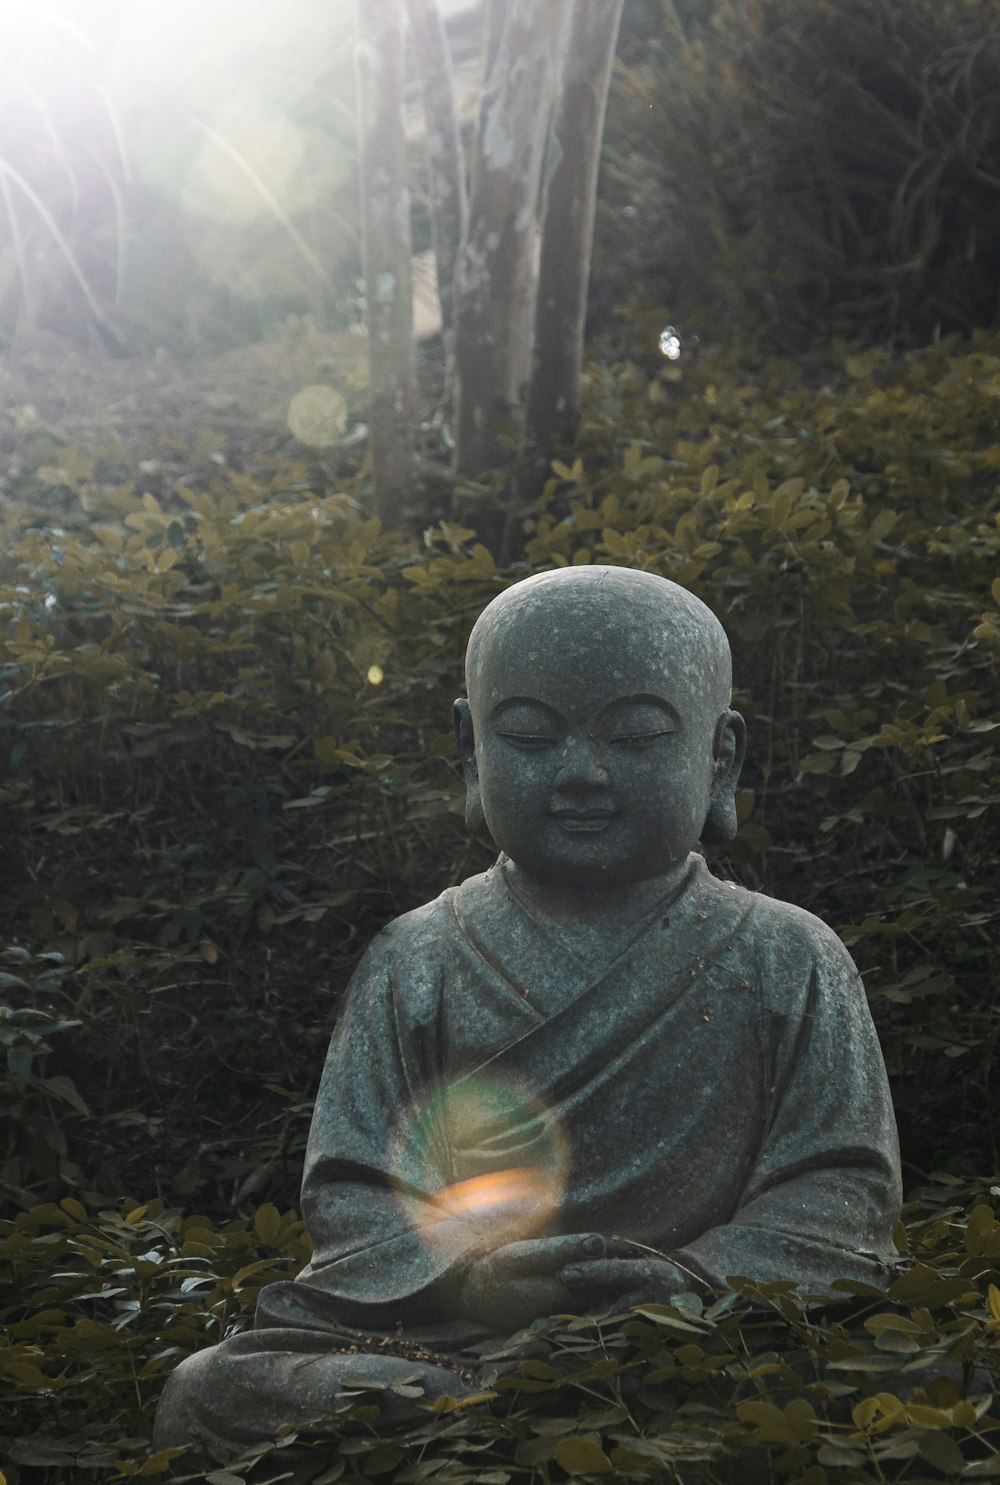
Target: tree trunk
{"points": [[496, 271], [445, 160], [496, 15], [385, 243], [553, 407]]}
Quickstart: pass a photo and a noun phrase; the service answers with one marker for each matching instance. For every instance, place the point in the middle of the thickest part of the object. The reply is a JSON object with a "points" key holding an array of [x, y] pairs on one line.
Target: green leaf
{"points": [[582, 1456], [249, 1269], [267, 1223], [538, 1369], [980, 1229], [771, 1424], [922, 1286], [383, 1458], [883, 523], [65, 1089], [943, 1453], [878, 1324]]}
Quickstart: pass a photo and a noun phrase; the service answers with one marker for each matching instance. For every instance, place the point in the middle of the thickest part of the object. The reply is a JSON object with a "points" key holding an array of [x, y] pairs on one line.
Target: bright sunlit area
{"points": [[164, 152]]}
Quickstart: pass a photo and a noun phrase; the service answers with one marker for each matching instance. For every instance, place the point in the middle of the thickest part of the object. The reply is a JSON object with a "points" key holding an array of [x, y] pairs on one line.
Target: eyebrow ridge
{"points": [[512, 701], [619, 703], [643, 699]]}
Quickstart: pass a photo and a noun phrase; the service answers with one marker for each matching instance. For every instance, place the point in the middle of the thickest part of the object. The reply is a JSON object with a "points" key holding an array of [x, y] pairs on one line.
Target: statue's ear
{"points": [[729, 750], [465, 736]]}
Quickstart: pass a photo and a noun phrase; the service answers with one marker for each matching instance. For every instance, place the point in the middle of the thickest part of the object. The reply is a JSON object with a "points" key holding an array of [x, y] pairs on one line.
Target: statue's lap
{"points": [[244, 1389]]}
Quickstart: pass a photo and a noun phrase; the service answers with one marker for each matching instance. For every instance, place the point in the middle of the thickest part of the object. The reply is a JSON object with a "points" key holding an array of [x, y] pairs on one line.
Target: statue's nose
{"points": [[582, 764]]}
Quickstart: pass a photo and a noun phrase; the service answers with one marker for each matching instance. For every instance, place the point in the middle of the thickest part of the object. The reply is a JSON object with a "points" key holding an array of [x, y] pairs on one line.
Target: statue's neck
{"points": [[612, 909]]}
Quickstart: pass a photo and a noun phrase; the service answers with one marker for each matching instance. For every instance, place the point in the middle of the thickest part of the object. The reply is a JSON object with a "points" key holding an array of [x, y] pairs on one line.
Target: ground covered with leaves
{"points": [[227, 761], [755, 1386]]}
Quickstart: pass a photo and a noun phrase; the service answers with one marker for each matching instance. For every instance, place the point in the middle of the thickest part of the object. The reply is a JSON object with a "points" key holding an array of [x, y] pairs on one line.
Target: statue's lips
{"points": [[584, 820]]}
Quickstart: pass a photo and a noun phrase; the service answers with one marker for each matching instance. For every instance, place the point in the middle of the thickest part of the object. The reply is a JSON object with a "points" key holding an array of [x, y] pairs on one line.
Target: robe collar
{"points": [[598, 1012]]}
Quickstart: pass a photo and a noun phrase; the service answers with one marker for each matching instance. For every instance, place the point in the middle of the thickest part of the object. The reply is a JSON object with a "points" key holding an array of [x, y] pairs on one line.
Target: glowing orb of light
{"points": [[317, 415], [376, 675], [482, 1192], [670, 343], [506, 1155]]}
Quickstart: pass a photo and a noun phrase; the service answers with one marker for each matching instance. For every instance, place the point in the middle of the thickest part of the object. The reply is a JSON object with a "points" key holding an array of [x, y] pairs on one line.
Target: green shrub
{"points": [[800, 167], [227, 717], [97, 1307]]}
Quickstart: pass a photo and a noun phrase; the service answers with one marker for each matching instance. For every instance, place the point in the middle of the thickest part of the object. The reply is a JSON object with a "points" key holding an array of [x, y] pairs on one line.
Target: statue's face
{"points": [[594, 749]]}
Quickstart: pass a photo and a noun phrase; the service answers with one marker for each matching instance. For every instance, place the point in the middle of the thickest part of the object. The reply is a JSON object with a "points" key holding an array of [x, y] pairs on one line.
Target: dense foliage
{"points": [[227, 760], [752, 1388], [789, 162]]}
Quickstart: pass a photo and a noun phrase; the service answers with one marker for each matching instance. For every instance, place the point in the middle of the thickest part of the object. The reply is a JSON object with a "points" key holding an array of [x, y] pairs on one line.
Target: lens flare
{"points": [[670, 343], [317, 415], [504, 1158], [486, 1193]]}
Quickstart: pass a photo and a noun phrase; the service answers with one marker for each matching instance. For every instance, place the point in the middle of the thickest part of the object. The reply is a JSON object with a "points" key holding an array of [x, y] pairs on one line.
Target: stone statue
{"points": [[593, 1076]]}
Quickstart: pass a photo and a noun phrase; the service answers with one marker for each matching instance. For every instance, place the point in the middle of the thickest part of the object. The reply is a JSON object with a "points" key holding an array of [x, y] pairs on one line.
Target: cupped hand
{"points": [[522, 1281], [617, 1283]]}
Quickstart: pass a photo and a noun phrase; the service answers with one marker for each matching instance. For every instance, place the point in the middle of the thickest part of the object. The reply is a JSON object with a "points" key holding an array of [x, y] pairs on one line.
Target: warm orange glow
{"points": [[483, 1193], [471, 1126]]}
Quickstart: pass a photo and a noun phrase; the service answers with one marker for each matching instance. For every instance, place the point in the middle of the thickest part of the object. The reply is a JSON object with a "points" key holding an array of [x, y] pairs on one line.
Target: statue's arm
{"points": [[381, 1249], [825, 1191]]}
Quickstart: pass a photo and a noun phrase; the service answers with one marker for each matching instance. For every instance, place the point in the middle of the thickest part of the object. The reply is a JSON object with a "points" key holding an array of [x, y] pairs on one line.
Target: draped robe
{"points": [[715, 1092]]}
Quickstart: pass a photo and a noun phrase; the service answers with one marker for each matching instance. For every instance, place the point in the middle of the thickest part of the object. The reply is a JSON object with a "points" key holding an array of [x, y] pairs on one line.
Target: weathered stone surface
{"points": [[594, 1075]]}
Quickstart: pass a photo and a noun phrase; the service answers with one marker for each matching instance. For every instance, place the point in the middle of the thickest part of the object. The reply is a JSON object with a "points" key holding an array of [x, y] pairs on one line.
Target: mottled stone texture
{"points": [[594, 1075]]}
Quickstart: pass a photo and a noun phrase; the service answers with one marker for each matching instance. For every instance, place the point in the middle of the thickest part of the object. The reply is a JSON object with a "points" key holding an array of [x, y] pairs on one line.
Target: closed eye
{"points": [[640, 739], [529, 740]]}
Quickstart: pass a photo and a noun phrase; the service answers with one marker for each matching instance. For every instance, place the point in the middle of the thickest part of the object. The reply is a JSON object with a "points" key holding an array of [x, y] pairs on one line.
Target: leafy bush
{"points": [[797, 164], [99, 1307], [227, 717], [756, 1386]]}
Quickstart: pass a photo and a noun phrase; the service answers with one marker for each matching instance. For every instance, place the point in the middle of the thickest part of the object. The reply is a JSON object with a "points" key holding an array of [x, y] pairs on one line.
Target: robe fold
{"points": [[716, 1092]]}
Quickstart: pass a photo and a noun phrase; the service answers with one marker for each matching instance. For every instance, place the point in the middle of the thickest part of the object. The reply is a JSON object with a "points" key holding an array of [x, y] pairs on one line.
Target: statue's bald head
{"points": [[623, 670], [627, 625]]}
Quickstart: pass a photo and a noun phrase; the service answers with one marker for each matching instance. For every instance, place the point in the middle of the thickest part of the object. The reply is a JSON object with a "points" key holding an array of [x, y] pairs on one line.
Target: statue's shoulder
{"points": [[427, 931], [411, 963], [418, 929], [786, 945]]}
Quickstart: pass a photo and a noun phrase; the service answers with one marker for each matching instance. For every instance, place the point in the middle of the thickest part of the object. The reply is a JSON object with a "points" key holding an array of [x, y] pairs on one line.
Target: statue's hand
{"points": [[615, 1283], [519, 1282]]}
